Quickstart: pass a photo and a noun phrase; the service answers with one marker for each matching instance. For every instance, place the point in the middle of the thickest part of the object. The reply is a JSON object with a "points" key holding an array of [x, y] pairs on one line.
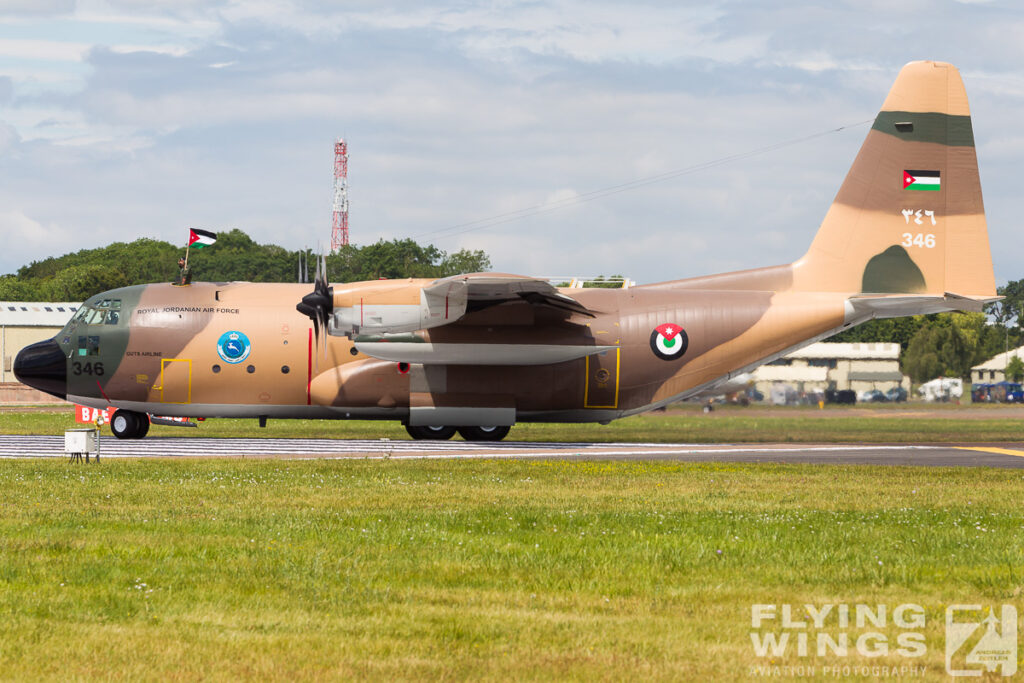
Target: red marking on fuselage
{"points": [[102, 393], [309, 368]]}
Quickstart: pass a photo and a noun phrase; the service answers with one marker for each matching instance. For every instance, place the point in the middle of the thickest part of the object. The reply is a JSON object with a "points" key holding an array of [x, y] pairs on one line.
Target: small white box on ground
{"points": [[83, 441]]}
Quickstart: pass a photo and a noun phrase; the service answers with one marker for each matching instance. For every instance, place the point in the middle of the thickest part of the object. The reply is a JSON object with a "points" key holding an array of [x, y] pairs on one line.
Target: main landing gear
{"points": [[126, 424], [441, 433]]}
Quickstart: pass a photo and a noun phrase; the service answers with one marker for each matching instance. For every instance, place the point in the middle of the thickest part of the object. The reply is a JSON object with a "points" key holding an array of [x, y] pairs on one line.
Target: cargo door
{"points": [[176, 380], [601, 388]]}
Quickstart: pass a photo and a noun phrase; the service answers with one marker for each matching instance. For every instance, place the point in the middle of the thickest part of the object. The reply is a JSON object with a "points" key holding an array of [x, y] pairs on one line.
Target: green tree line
{"points": [[234, 257]]}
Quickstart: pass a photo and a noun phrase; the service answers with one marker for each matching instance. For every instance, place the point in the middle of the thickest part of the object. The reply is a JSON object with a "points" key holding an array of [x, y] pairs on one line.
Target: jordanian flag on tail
{"points": [[197, 239], [927, 181]]}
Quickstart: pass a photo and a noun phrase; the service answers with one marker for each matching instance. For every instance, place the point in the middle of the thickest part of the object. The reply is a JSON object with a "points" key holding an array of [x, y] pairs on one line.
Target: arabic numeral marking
{"points": [[924, 240], [916, 215], [87, 369]]}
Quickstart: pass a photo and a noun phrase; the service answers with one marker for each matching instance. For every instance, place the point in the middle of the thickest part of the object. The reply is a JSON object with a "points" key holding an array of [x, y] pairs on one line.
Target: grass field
{"points": [[510, 570], [730, 424]]}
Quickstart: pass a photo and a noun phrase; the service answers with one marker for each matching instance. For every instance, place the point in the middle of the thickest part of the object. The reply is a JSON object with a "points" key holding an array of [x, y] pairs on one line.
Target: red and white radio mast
{"points": [[339, 228]]}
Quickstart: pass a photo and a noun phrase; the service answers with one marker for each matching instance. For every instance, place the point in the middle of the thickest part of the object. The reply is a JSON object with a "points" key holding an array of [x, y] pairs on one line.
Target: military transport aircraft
{"points": [[477, 353]]}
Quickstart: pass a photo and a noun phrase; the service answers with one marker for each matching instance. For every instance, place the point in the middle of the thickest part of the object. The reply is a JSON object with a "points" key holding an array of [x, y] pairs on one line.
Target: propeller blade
{"points": [[318, 305]]}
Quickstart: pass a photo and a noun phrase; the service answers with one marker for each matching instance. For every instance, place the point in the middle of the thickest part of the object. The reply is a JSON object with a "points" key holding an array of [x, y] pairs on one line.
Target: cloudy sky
{"points": [[483, 125]]}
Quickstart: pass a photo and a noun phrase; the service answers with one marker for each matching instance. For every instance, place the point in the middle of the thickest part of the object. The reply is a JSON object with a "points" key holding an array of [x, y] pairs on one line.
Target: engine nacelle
{"points": [[395, 307]]}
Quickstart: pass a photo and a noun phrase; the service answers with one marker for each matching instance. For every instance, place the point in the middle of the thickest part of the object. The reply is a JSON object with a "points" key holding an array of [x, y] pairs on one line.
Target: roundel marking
{"points": [[669, 342], [233, 347]]}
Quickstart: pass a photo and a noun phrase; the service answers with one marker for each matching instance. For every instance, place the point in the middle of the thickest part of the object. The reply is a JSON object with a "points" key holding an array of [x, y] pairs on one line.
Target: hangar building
{"points": [[23, 323], [824, 365], [993, 370]]}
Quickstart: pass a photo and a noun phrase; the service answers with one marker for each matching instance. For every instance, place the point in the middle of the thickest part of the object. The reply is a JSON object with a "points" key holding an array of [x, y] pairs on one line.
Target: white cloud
{"points": [[15, 9], [48, 50], [27, 239]]}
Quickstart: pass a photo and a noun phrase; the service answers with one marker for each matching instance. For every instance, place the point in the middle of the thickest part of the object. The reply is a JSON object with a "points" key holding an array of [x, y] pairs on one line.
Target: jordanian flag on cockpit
{"points": [[197, 239], [927, 181]]}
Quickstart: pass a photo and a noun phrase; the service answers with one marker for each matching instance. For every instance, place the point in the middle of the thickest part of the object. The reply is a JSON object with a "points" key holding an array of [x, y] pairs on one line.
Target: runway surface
{"points": [[978, 455]]}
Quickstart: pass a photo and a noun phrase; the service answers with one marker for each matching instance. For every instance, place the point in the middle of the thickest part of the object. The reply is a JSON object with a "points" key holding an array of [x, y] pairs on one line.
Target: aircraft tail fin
{"points": [[909, 217]]}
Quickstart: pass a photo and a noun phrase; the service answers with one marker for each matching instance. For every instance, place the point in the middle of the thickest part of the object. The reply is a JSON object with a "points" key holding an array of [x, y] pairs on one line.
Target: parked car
{"points": [[841, 396], [896, 395], [871, 396]]}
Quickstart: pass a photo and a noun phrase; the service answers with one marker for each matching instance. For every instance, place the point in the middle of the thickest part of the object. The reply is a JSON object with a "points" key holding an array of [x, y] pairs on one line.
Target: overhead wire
{"points": [[548, 207]]}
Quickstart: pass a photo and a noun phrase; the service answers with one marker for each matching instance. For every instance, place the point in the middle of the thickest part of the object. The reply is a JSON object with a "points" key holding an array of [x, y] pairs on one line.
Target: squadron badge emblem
{"points": [[233, 347]]}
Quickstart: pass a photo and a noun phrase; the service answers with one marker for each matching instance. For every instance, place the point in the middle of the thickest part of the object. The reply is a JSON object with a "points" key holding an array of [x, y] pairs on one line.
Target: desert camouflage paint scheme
{"points": [[491, 349]]}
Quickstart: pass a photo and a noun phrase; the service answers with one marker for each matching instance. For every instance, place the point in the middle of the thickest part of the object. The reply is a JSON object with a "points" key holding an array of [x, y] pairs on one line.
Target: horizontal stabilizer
{"points": [[428, 353], [896, 305]]}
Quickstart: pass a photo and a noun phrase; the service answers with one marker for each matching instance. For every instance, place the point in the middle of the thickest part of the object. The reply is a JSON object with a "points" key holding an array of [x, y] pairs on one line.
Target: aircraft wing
{"points": [[491, 289], [396, 306], [477, 292]]}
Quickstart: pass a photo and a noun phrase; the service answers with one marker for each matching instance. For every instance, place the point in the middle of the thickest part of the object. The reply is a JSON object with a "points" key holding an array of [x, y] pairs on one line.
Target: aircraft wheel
{"points": [[430, 432], [126, 424], [483, 433]]}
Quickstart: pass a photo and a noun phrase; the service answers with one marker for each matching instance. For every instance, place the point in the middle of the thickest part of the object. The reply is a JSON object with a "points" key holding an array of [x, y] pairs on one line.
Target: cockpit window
{"points": [[105, 312]]}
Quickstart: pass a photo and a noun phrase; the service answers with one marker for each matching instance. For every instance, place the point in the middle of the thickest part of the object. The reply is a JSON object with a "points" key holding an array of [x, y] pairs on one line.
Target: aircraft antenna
{"points": [[339, 227]]}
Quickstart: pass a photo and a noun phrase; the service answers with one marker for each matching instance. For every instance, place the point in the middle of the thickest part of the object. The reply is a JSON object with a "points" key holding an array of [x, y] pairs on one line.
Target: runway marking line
{"points": [[991, 449]]}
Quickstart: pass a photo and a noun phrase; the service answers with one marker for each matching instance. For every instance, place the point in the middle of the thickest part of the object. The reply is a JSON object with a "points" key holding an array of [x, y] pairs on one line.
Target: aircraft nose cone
{"points": [[43, 366]]}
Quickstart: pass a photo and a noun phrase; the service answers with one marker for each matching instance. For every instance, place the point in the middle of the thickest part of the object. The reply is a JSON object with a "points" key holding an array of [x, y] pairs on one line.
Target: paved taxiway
{"points": [[983, 455]]}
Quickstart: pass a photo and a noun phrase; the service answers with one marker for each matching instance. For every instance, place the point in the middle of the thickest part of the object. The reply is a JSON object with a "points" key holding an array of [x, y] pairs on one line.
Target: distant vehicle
{"points": [[1000, 392], [981, 393], [783, 395], [729, 390], [1005, 392], [872, 396], [812, 398], [942, 389], [896, 395], [843, 396]]}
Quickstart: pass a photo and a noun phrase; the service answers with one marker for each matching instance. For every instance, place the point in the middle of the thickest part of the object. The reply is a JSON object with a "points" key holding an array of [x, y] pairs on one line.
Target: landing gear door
{"points": [[601, 387], [175, 380]]}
